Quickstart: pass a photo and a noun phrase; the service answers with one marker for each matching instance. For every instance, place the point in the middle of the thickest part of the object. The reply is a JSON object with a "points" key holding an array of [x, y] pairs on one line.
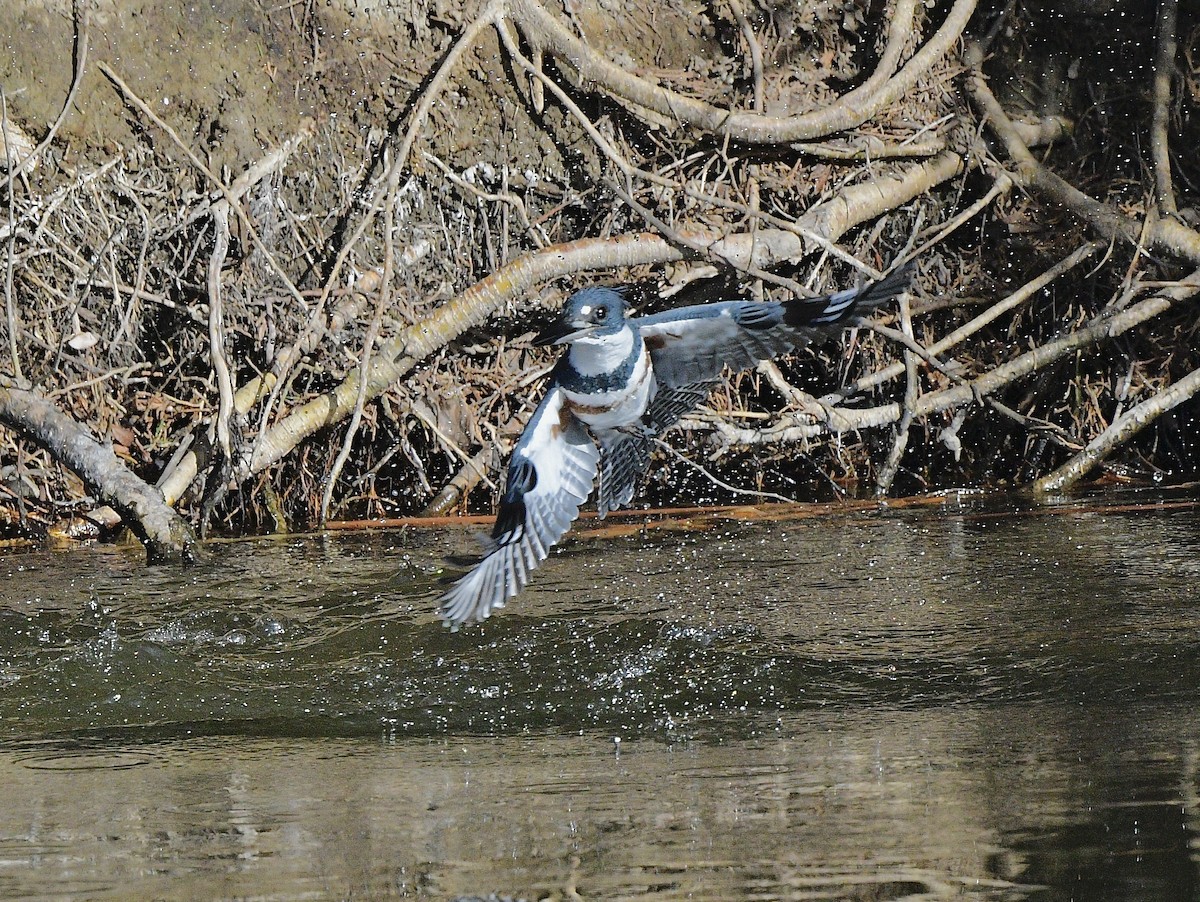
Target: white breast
{"points": [[618, 407]]}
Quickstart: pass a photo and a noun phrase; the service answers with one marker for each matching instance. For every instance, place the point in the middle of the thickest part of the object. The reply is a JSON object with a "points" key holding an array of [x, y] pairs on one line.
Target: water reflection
{"points": [[946, 703]]}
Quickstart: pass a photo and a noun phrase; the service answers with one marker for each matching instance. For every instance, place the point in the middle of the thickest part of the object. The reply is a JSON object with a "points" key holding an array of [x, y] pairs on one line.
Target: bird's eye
{"points": [[601, 312]]}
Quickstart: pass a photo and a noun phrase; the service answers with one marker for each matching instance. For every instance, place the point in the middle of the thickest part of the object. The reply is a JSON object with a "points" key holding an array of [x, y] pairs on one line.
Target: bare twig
{"points": [[385, 292], [887, 473], [537, 235], [720, 483], [756, 60], [10, 301], [1018, 297], [216, 330], [1166, 234], [486, 18], [869, 147], [1121, 430], [1001, 186], [801, 427]]}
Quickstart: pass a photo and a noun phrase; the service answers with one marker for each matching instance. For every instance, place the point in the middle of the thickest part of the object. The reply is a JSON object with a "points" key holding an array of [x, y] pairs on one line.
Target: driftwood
{"points": [[142, 508]]}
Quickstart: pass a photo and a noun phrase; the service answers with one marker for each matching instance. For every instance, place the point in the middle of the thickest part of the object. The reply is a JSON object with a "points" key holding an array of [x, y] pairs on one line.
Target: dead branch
{"points": [[756, 59], [891, 466], [226, 192], [544, 31], [1122, 430], [385, 294], [10, 300], [487, 18], [80, 63], [216, 330], [1164, 70], [166, 536], [796, 428], [1132, 421], [1166, 234], [869, 147], [761, 249], [956, 337]]}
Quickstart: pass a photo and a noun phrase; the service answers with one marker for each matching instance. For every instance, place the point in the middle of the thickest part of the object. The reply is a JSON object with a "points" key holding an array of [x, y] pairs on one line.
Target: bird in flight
{"points": [[622, 382]]}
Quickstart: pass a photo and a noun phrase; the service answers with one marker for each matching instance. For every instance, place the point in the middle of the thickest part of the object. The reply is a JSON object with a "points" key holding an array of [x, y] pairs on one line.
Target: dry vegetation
{"points": [[293, 280]]}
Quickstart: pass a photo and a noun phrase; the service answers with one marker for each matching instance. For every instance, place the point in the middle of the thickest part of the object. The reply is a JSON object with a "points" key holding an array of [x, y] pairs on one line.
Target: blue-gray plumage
{"points": [[623, 381]]}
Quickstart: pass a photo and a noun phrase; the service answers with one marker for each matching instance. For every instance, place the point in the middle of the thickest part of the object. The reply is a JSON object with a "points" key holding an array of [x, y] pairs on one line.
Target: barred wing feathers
{"points": [[550, 475], [625, 453], [691, 345]]}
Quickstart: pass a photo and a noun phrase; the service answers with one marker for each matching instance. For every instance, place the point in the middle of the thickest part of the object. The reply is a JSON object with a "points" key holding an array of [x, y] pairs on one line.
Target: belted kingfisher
{"points": [[623, 381]]}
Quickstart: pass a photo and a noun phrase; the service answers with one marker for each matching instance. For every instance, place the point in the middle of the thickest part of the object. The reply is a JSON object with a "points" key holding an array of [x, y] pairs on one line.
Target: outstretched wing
{"points": [[549, 477], [693, 344], [625, 453], [690, 346], [624, 457]]}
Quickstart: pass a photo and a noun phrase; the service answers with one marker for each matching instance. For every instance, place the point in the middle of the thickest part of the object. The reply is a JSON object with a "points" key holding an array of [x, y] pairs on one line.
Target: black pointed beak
{"points": [[560, 332]]}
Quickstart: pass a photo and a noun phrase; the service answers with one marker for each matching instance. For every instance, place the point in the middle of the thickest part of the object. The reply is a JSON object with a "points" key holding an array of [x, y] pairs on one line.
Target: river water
{"points": [[966, 700]]}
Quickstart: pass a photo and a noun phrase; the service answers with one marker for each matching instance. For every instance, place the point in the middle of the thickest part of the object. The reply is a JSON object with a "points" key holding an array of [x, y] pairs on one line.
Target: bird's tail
{"points": [[831, 309]]}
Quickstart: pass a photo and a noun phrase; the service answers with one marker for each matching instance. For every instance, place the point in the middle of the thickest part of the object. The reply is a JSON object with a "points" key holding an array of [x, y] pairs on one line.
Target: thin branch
{"points": [[1166, 234], [801, 427], [868, 147], [756, 60], [1121, 430], [887, 473], [711, 477], [904, 337], [1164, 69], [10, 300], [1000, 186], [537, 235], [1018, 297], [216, 330], [385, 293], [226, 192]]}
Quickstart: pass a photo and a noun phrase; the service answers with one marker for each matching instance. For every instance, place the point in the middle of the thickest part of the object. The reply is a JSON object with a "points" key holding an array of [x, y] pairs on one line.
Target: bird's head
{"points": [[592, 312]]}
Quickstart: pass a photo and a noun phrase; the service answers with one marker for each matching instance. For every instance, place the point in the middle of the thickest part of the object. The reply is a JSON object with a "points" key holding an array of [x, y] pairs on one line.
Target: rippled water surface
{"points": [[960, 701]]}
